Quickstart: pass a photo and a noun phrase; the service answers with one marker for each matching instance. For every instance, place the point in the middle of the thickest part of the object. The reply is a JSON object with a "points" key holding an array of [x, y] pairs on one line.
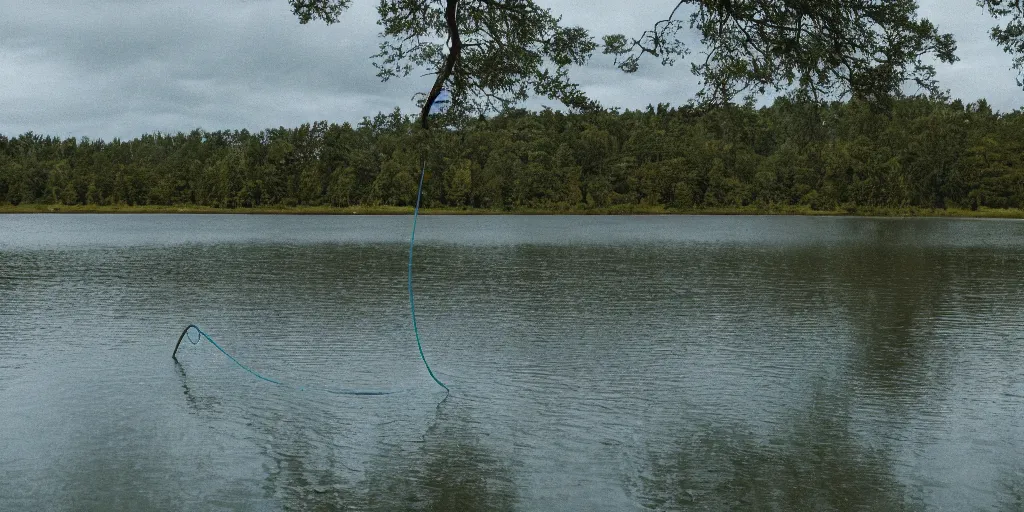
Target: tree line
{"points": [[920, 152]]}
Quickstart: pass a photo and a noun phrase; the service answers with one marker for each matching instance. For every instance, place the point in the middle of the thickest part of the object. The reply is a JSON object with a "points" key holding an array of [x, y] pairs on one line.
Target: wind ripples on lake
{"points": [[596, 363]]}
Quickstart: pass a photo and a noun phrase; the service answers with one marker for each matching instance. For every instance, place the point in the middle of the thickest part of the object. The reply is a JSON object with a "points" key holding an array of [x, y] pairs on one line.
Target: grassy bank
{"points": [[617, 210]]}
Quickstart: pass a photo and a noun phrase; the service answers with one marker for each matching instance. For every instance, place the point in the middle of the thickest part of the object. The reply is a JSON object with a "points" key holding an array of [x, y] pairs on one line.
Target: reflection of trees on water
{"points": [[309, 476], [884, 294], [450, 470], [894, 294], [1012, 491], [305, 471], [447, 469], [818, 464], [889, 299]]}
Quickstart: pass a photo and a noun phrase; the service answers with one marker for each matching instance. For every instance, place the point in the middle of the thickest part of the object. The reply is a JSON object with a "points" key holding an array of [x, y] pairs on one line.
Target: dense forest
{"points": [[916, 153]]}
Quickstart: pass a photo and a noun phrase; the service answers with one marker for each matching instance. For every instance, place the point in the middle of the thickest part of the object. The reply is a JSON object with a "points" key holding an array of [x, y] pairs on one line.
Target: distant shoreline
{"points": [[987, 213]]}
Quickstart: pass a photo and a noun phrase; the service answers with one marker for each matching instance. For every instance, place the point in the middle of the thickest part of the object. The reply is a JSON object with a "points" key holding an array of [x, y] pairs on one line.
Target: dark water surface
{"points": [[596, 363]]}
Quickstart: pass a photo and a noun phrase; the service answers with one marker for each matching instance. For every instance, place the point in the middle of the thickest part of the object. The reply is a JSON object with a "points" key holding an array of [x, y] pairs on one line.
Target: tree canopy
{"points": [[493, 54], [922, 153]]}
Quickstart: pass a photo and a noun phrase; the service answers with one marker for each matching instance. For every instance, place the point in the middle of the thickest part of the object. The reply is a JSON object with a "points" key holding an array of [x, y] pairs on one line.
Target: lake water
{"points": [[596, 363]]}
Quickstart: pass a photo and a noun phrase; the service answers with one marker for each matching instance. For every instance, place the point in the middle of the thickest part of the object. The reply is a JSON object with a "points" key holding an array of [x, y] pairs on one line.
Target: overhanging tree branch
{"points": [[493, 54], [451, 16]]}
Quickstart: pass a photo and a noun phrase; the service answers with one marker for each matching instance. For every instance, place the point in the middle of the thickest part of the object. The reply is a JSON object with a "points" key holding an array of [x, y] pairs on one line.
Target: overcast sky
{"points": [[119, 68]]}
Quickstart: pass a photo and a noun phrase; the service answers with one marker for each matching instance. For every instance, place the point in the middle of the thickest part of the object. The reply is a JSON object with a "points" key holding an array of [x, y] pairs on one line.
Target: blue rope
{"points": [[412, 299], [202, 335]]}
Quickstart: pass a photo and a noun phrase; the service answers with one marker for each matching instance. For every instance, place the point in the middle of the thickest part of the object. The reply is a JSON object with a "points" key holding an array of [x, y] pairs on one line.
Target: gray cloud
{"points": [[108, 68]]}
